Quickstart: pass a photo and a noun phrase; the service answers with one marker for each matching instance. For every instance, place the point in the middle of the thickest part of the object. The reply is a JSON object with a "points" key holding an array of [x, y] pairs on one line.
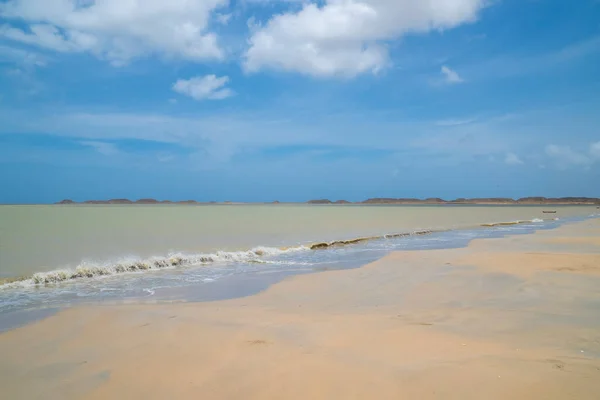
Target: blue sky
{"points": [[261, 100]]}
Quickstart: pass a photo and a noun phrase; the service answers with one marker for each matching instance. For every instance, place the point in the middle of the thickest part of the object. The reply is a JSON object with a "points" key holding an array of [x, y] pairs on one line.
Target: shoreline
{"points": [[180, 259], [502, 318], [47, 279], [247, 284]]}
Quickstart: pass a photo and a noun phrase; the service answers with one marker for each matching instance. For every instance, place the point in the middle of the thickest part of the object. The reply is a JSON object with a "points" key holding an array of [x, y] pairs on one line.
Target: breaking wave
{"points": [[518, 222], [91, 270], [336, 243], [88, 270]]}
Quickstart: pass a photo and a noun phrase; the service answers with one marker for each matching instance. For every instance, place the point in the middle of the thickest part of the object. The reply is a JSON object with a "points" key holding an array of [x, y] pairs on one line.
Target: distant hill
{"points": [[386, 200], [321, 201], [127, 201], [112, 201], [491, 200], [383, 200], [147, 201], [559, 200], [487, 200]]}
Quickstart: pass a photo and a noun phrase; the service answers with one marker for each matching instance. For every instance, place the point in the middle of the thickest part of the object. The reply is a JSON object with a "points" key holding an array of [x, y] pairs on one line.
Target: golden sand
{"points": [[510, 318]]}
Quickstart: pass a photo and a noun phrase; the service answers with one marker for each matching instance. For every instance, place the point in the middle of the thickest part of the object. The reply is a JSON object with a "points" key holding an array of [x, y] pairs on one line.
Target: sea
{"points": [[56, 256]]}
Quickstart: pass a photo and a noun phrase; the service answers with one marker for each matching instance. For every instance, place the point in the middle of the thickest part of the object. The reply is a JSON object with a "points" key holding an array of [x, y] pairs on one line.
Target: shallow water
{"points": [[44, 238], [251, 271]]}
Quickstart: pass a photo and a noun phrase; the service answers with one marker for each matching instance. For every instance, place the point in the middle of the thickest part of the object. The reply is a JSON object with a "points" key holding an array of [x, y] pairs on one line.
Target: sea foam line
{"points": [[91, 270], [517, 222], [255, 255], [127, 266]]}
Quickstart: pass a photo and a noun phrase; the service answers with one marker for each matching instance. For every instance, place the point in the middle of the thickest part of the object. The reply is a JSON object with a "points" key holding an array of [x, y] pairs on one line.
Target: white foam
{"points": [[132, 265], [92, 270]]}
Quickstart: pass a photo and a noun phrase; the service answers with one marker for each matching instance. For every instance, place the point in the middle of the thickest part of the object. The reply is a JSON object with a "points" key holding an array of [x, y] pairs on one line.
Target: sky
{"points": [[290, 100]]}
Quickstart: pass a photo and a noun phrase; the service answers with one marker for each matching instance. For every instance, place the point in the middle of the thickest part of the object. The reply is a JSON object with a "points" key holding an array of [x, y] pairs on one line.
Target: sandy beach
{"points": [[516, 317]]}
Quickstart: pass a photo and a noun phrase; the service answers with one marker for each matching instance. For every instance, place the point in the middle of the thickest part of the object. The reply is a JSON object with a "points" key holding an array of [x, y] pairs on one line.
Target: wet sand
{"points": [[517, 317]]}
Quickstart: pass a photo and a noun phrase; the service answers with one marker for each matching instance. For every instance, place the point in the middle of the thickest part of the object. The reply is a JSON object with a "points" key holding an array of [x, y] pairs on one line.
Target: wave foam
{"points": [[338, 243], [255, 255], [90, 270], [517, 222]]}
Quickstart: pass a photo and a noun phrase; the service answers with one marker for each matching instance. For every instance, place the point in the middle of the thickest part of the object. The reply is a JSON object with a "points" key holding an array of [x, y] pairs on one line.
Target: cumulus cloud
{"points": [[512, 159], [348, 38], [116, 30], [450, 75], [206, 87]]}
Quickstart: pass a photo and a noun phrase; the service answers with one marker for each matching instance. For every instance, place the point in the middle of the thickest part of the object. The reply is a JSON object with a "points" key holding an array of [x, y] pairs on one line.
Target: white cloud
{"points": [[565, 157], [512, 159], [23, 67], [116, 30], [224, 131], [456, 122], [165, 157], [224, 18], [347, 38], [27, 59], [595, 150], [204, 87], [508, 65], [107, 149], [450, 75]]}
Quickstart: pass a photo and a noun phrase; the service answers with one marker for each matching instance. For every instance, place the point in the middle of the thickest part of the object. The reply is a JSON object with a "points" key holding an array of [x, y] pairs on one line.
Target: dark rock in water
{"points": [[276, 202], [321, 201], [66, 201]]}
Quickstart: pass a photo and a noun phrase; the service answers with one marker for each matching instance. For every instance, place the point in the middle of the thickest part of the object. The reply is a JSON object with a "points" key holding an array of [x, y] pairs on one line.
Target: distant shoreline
{"points": [[558, 201]]}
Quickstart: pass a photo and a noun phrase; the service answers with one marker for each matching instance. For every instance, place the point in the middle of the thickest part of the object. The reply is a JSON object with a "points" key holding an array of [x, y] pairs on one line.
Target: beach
{"points": [[510, 317]]}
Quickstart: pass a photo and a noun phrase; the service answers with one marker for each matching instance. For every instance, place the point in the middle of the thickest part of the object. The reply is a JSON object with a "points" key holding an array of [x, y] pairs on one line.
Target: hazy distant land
{"points": [[406, 201]]}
